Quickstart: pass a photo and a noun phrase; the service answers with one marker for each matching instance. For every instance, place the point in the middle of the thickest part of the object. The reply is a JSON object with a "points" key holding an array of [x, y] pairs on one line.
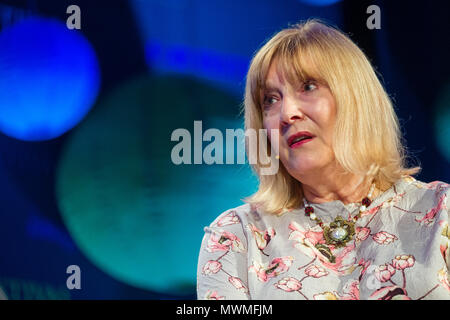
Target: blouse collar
{"points": [[337, 207]]}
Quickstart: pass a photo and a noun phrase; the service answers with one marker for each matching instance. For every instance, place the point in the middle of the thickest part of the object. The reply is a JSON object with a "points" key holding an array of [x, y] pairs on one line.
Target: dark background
{"points": [[84, 196]]}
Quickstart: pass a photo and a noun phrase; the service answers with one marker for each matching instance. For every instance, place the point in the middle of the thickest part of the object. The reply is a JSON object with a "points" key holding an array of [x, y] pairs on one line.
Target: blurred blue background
{"points": [[86, 118]]}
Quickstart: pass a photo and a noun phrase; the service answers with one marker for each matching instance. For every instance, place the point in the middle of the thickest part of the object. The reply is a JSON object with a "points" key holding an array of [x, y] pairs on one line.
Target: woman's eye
{"points": [[269, 100], [309, 86]]}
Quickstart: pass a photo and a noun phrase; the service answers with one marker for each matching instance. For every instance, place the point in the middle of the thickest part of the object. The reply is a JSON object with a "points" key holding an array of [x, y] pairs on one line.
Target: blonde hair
{"points": [[367, 139]]}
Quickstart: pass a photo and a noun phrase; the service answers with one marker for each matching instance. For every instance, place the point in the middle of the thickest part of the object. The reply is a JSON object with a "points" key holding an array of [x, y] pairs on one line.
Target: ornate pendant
{"points": [[339, 232]]}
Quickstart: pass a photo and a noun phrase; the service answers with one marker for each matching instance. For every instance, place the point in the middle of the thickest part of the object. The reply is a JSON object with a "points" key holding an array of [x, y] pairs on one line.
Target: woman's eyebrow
{"points": [[269, 87]]}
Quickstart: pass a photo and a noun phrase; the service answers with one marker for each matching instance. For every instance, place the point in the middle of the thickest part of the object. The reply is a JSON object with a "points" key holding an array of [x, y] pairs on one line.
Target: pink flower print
{"points": [[237, 283], [289, 284], [392, 201], [305, 237], [305, 240], [260, 271], [364, 264], [384, 237], [371, 211], [229, 218], [345, 261], [384, 272], [362, 233], [390, 293], [351, 291], [438, 186], [443, 278], [223, 241], [441, 187], [316, 271], [309, 243], [262, 238], [277, 266], [403, 261], [211, 267], [430, 215], [212, 295]]}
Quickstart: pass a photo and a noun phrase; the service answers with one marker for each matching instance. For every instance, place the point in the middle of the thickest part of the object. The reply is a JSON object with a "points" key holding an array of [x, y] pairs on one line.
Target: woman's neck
{"points": [[348, 188]]}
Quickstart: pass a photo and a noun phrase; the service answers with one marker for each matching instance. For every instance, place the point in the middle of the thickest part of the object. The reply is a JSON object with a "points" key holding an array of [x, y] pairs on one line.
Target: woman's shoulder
{"points": [[427, 193], [435, 187], [237, 215]]}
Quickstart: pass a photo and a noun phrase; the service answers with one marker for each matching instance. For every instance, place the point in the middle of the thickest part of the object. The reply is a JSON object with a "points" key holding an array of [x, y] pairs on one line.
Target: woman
{"points": [[343, 218]]}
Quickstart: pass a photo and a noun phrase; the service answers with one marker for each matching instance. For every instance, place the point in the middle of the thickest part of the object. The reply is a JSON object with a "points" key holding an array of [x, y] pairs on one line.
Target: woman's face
{"points": [[306, 111]]}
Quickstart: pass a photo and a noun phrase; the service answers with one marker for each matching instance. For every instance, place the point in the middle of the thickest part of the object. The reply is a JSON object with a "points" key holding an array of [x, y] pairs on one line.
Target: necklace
{"points": [[340, 231]]}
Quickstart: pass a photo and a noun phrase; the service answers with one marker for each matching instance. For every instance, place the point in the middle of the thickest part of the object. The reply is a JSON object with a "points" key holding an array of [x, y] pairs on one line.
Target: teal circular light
{"points": [[134, 213], [442, 121]]}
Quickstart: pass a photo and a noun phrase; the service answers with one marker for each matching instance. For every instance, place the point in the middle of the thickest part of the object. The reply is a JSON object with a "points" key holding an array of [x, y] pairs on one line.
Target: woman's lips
{"points": [[298, 144]]}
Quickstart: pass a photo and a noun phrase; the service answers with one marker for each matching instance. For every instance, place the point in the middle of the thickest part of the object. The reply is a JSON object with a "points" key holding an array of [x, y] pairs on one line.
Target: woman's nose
{"points": [[290, 112]]}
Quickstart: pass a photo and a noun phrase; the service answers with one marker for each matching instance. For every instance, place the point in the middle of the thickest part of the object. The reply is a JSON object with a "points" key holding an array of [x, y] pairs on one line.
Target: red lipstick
{"points": [[299, 138]]}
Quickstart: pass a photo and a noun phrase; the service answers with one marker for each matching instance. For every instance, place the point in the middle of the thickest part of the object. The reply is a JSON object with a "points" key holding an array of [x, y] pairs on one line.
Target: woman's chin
{"points": [[298, 169]]}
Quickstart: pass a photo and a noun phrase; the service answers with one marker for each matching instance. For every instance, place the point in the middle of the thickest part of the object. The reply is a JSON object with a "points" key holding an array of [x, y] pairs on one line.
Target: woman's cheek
{"points": [[265, 126], [271, 131]]}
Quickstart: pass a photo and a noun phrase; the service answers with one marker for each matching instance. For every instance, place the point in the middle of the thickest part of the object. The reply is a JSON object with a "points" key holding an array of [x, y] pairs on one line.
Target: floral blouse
{"points": [[400, 250]]}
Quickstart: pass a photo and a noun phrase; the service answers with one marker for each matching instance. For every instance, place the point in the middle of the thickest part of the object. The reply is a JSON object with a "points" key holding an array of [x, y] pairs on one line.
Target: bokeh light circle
{"points": [[135, 214], [49, 79]]}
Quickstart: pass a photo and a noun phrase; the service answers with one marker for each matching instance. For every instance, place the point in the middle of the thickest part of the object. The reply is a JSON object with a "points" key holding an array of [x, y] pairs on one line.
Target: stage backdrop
{"points": [[94, 204]]}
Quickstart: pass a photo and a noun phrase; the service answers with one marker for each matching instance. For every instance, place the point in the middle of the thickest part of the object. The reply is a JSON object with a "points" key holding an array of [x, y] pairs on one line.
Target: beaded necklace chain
{"points": [[340, 231]]}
